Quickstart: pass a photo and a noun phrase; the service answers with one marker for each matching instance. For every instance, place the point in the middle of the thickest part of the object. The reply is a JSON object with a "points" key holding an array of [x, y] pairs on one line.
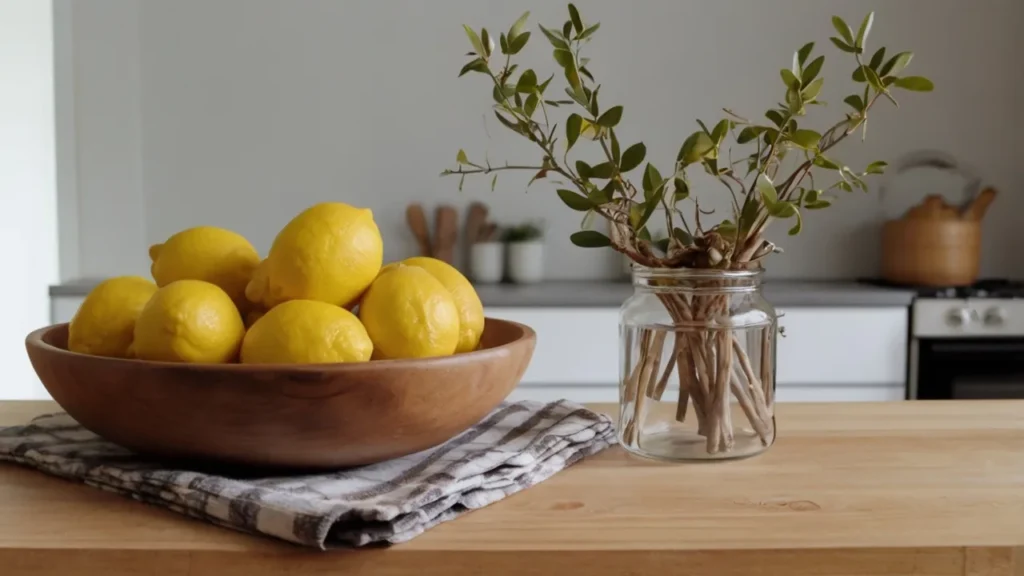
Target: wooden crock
{"points": [[931, 252]]}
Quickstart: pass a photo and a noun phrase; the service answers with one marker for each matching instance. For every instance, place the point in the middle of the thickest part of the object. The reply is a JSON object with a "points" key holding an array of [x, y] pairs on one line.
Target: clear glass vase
{"points": [[697, 365]]}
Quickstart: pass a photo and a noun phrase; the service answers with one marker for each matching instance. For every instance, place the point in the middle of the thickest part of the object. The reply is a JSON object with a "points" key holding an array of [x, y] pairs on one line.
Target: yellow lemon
{"points": [[189, 321], [105, 321], [306, 332], [471, 310], [206, 253], [331, 252], [409, 314]]}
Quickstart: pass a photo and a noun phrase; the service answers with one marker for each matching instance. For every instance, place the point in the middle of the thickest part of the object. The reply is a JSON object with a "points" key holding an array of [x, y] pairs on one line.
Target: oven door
{"points": [[975, 368]]}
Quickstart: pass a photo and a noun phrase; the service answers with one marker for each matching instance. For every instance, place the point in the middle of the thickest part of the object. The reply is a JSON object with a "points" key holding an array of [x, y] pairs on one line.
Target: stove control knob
{"points": [[995, 316], [958, 317]]}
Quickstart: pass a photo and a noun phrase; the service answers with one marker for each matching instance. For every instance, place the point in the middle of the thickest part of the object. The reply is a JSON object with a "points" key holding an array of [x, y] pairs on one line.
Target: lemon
{"points": [[189, 321], [306, 332], [471, 310], [105, 321], [409, 314], [331, 252], [206, 253]]}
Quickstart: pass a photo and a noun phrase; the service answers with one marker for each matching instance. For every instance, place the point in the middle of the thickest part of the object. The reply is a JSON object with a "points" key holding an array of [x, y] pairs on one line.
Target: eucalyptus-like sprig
{"points": [[523, 103]]}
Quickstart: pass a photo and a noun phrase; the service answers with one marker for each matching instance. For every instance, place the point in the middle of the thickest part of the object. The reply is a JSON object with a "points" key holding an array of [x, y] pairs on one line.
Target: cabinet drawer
{"points": [[824, 346], [577, 346]]}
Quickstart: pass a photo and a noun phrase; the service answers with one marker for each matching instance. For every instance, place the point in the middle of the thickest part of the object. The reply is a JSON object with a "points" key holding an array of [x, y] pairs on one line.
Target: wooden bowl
{"points": [[299, 416]]}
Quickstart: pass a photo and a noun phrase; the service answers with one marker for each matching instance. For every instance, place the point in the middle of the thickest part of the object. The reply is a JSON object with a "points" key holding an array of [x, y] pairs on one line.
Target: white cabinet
{"points": [[827, 354], [63, 308]]}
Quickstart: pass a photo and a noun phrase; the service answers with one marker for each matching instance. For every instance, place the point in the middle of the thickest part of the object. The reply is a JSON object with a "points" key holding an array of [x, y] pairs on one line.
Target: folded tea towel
{"points": [[516, 446]]}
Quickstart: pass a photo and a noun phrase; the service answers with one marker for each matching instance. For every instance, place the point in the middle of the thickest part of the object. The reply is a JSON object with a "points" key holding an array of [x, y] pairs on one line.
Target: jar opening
{"points": [[697, 279]]}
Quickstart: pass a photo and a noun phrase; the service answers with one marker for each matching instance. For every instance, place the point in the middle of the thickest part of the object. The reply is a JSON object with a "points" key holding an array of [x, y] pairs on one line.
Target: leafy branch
{"points": [[603, 188]]}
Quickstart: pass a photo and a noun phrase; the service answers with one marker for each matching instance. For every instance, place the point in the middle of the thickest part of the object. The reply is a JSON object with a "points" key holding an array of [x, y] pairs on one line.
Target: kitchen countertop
{"points": [[611, 293], [893, 488]]}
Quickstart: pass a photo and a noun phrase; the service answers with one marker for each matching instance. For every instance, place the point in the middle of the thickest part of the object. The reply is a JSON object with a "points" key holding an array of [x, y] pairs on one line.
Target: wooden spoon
{"points": [[476, 217], [446, 232], [976, 209], [417, 221]]}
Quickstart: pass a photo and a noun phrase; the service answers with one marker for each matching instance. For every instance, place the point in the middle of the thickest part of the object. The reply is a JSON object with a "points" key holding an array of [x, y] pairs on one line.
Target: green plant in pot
{"points": [[698, 339], [525, 252]]}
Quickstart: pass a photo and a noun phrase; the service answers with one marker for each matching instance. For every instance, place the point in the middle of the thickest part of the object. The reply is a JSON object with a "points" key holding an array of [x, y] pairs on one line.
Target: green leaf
{"points": [[527, 82], [662, 244], [811, 195], [461, 157], [703, 127], [518, 28], [503, 43], [818, 204], [501, 94], [603, 170], [511, 125], [616, 154], [652, 180], [749, 134], [590, 239], [680, 190], [555, 38], [651, 205], [843, 28], [575, 201], [477, 65], [915, 83], [694, 148], [807, 139], [823, 162], [858, 74], [478, 45], [720, 131], [593, 101], [514, 46], [812, 90], [876, 167], [804, 52], [855, 102], [544, 85], [873, 79], [726, 228], [604, 195], [574, 15], [611, 117], [572, 129], [567, 28], [494, 181], [583, 169], [633, 157], [794, 101], [578, 96], [896, 64], [531, 104], [767, 190], [843, 45], [799, 223], [585, 72], [790, 79], [781, 210], [589, 31], [488, 43], [564, 58], [877, 58], [845, 186], [812, 70], [865, 29]]}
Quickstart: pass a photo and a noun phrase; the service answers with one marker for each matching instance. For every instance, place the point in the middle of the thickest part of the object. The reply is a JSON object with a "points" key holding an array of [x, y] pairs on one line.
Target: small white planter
{"points": [[526, 262], [487, 262]]}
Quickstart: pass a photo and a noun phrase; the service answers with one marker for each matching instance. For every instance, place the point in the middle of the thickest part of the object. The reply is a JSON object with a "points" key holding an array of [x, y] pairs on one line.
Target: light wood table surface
{"points": [[851, 489]]}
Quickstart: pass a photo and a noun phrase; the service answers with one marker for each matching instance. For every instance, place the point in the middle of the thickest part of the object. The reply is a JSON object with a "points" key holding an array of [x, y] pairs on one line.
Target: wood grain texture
{"points": [[931, 251], [848, 489], [326, 415]]}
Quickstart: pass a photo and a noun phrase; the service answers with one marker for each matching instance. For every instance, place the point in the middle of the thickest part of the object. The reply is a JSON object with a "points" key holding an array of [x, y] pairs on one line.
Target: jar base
{"points": [[678, 444]]}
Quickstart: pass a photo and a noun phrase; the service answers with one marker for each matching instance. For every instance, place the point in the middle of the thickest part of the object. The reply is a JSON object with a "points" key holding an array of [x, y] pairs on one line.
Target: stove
{"points": [[966, 342]]}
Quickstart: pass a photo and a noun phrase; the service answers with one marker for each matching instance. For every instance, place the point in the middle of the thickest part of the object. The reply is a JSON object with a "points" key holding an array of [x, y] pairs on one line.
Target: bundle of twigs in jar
{"points": [[705, 354]]}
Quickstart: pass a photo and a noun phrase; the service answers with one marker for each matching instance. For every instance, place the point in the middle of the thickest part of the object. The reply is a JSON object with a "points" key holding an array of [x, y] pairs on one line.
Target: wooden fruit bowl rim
{"points": [[36, 338]]}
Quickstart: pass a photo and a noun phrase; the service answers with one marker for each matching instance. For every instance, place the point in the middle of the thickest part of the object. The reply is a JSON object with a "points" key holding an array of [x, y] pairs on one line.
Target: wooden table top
{"points": [[883, 488]]}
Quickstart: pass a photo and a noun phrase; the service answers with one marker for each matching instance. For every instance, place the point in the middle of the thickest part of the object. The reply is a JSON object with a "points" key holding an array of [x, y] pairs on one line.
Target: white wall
{"points": [[242, 112], [28, 204]]}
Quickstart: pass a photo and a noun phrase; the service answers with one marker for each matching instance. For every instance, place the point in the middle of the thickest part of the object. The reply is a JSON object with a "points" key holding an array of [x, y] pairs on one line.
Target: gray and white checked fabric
{"points": [[516, 446]]}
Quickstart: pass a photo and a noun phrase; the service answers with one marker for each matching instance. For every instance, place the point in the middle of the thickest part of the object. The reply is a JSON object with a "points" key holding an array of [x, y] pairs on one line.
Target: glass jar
{"points": [[697, 365]]}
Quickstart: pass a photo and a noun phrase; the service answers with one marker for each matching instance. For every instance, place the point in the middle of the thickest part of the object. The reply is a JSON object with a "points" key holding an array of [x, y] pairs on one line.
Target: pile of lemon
{"points": [[321, 295]]}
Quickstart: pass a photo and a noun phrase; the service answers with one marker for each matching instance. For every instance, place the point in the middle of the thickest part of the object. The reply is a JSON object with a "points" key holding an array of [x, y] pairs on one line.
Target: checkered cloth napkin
{"points": [[516, 446]]}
